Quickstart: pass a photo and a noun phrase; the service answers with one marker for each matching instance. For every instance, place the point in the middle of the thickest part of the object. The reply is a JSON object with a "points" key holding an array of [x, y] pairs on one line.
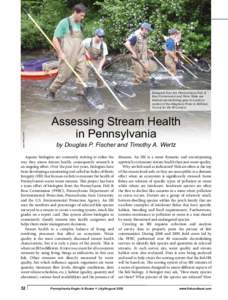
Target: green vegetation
{"points": [[121, 17]]}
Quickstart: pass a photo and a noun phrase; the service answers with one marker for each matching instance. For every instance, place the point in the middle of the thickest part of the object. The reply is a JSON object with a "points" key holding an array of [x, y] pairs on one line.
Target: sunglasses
{"points": [[101, 36]]}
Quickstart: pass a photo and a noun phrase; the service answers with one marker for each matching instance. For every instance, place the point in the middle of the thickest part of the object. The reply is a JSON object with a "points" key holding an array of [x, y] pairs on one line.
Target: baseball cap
{"points": [[172, 31], [147, 26], [100, 32]]}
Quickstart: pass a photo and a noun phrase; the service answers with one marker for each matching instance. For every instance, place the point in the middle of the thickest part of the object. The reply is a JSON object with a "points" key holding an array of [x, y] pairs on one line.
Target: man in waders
{"points": [[137, 44], [96, 52], [68, 44], [171, 58]]}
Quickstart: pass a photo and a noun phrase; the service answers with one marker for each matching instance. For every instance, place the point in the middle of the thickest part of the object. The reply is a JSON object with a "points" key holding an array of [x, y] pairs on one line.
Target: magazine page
{"points": [[114, 178]]}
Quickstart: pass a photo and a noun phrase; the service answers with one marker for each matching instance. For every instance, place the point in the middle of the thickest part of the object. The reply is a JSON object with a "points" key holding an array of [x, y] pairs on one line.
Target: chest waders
{"points": [[96, 55], [142, 74], [74, 51]]}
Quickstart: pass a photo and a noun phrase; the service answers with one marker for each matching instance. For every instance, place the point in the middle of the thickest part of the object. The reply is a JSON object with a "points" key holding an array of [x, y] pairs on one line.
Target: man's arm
{"points": [[58, 48], [101, 64], [128, 45], [103, 59]]}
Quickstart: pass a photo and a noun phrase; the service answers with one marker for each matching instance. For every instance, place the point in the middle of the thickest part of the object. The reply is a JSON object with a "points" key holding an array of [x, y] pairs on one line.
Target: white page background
{"points": [[10, 157]]}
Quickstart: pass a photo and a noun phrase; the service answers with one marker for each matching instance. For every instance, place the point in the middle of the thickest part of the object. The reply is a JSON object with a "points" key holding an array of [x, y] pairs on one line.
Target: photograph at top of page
{"points": [[114, 58]]}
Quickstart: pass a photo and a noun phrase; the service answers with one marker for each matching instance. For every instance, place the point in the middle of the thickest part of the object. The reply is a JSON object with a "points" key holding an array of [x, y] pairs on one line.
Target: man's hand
{"points": [[88, 56], [61, 55], [146, 67], [151, 53], [134, 55]]}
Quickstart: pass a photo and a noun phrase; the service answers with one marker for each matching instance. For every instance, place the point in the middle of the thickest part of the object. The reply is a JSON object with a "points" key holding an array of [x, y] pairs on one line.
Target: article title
{"points": [[100, 127]]}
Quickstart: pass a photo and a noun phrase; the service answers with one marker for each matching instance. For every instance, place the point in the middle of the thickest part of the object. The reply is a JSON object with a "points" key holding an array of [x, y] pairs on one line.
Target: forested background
{"points": [[119, 18]]}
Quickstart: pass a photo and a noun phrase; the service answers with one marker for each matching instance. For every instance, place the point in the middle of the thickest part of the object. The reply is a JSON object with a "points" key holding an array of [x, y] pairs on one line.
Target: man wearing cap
{"points": [[171, 58], [96, 52], [137, 44], [68, 44]]}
